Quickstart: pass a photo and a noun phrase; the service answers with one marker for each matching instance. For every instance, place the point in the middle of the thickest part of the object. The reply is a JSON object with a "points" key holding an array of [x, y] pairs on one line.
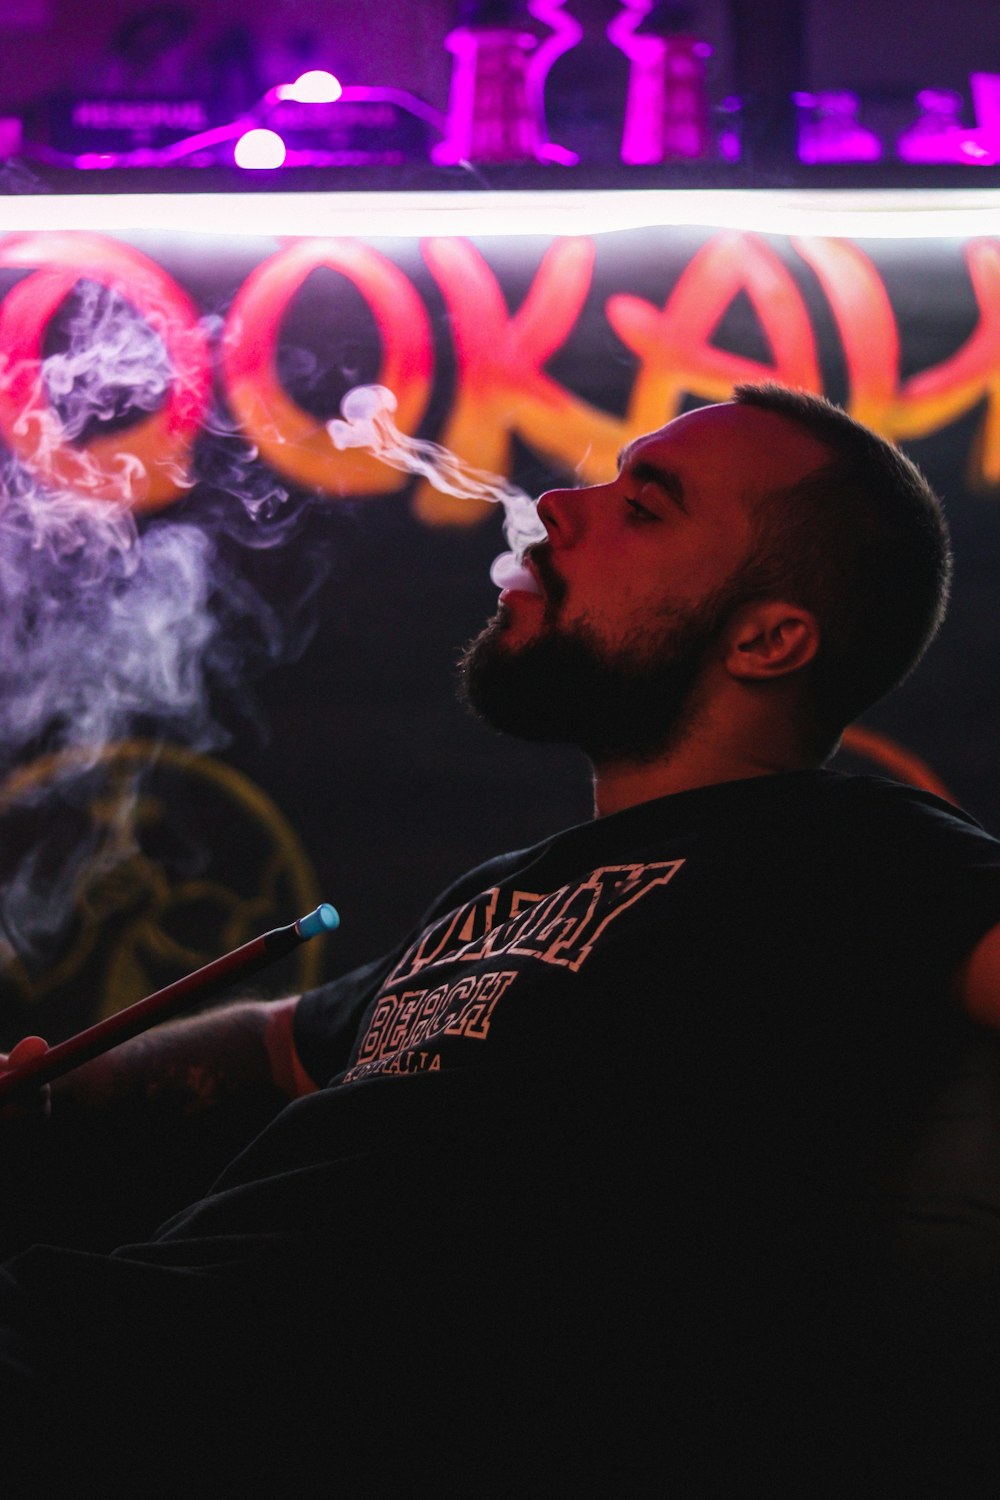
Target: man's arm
{"points": [[236, 1053]]}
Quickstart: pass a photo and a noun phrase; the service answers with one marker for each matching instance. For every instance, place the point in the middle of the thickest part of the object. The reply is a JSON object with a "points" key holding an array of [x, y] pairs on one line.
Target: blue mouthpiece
{"points": [[324, 919]]}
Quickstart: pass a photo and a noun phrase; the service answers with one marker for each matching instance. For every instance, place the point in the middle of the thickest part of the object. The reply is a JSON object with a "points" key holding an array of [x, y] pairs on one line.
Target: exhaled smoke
{"points": [[102, 631], [366, 422], [103, 361], [111, 627], [106, 623], [98, 626]]}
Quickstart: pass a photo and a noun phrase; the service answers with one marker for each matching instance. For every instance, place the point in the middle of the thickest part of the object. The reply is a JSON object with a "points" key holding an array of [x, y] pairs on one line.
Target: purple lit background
{"points": [[836, 80]]}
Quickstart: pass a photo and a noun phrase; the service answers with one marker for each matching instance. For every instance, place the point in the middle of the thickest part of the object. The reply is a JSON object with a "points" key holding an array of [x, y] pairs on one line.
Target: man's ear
{"points": [[769, 640]]}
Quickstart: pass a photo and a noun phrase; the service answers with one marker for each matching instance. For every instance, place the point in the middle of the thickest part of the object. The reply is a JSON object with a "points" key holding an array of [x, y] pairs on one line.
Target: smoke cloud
{"points": [[106, 361], [366, 422], [112, 627]]}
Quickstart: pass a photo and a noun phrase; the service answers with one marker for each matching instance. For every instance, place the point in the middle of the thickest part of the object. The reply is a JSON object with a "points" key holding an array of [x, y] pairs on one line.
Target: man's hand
{"points": [[236, 1054], [35, 1104]]}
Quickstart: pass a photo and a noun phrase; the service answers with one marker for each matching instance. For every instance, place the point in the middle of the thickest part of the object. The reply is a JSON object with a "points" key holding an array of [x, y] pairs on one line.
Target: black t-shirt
{"points": [[626, 1109], [737, 926]]}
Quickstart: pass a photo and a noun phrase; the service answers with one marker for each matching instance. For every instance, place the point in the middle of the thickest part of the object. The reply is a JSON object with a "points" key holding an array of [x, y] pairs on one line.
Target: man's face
{"points": [[638, 578]]}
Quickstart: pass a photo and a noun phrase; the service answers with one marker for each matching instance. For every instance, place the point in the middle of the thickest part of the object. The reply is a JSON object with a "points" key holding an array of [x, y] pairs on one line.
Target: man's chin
{"points": [[518, 622], [543, 689], [557, 688], [507, 681]]}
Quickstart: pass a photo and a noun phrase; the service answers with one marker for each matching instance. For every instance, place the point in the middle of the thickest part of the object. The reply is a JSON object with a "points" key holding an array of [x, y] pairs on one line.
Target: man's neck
{"points": [[626, 784]]}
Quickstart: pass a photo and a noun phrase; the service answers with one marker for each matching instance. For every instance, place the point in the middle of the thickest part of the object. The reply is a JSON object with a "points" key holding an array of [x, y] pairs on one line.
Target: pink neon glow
{"points": [[986, 102], [829, 128], [496, 109], [666, 108], [503, 132], [314, 87], [566, 32], [728, 142], [259, 150], [937, 134]]}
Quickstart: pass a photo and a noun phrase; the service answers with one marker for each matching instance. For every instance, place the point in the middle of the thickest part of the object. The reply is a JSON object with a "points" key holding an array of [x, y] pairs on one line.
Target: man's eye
{"points": [[639, 511]]}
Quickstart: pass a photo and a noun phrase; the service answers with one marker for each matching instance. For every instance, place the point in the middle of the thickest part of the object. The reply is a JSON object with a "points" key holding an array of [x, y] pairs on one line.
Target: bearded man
{"points": [[657, 1157]]}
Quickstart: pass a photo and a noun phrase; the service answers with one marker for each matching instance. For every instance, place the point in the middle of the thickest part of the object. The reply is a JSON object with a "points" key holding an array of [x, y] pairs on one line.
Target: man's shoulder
{"points": [[879, 788], [794, 818], [814, 802], [900, 806], [835, 795], [877, 826]]}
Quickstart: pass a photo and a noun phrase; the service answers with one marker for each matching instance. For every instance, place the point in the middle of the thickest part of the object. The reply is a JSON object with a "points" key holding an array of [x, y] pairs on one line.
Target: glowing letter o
{"points": [[292, 441], [146, 465]]}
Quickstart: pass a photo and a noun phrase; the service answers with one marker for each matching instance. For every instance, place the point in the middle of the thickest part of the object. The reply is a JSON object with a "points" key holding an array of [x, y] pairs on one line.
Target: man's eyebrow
{"points": [[649, 473]]}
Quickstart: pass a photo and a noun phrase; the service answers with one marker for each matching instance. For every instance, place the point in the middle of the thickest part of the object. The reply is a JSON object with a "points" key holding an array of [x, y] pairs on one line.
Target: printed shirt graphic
{"points": [[806, 904], [449, 983]]}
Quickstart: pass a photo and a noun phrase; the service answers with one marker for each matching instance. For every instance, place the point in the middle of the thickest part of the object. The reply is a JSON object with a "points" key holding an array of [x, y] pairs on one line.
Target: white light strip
{"points": [[857, 214]]}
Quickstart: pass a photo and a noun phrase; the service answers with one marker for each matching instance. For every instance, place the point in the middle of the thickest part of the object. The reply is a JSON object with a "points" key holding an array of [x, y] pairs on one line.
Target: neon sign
{"points": [[503, 389]]}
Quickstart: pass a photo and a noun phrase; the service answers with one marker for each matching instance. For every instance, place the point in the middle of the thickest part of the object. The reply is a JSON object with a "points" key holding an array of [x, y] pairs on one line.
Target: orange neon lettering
{"points": [[932, 398], [674, 345], [502, 387], [502, 390], [146, 466], [866, 323], [290, 439]]}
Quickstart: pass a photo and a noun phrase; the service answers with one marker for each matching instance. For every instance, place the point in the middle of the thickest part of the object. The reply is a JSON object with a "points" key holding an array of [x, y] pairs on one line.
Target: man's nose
{"points": [[563, 514]]}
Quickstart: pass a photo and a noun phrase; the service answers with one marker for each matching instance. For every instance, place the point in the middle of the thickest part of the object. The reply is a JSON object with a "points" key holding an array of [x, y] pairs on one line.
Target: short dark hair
{"points": [[861, 542]]}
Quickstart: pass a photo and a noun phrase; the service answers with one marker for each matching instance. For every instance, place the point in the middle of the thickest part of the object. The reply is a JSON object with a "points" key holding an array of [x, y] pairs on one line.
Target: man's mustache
{"points": [[539, 554]]}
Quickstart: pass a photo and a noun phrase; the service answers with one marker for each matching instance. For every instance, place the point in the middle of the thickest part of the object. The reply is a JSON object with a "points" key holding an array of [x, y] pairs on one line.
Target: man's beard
{"points": [[627, 705]]}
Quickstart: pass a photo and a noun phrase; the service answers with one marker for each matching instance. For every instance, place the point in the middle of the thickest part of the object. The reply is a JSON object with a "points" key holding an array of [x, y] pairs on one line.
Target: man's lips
{"points": [[538, 561], [532, 574], [511, 575]]}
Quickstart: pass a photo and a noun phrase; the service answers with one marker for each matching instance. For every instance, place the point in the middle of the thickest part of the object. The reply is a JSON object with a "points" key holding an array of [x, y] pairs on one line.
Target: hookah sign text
{"points": [[502, 388]]}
